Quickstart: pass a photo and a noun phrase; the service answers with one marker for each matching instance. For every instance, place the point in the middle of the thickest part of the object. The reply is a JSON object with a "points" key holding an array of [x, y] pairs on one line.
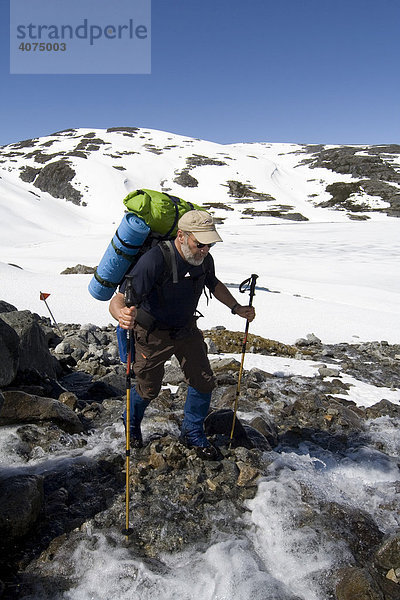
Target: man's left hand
{"points": [[247, 312]]}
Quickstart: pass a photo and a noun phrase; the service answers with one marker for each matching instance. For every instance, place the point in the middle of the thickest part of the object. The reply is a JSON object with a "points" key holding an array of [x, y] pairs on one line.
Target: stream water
{"points": [[281, 555]]}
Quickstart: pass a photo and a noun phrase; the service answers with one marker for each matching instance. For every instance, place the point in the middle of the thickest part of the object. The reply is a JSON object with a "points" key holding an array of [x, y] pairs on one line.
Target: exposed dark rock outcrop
{"points": [[372, 165], [55, 179], [29, 174], [130, 130], [280, 212], [185, 179], [197, 160], [245, 193], [89, 143], [79, 270]]}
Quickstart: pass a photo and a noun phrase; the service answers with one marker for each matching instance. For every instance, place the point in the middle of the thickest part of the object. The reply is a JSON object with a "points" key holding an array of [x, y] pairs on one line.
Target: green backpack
{"points": [[160, 211]]}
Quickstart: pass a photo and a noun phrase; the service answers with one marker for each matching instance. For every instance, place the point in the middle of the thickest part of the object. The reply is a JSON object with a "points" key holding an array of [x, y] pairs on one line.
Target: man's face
{"points": [[190, 248]]}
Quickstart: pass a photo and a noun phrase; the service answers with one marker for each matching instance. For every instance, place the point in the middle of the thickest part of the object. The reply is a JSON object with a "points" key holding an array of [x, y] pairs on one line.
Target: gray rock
{"points": [[219, 422], [388, 554], [116, 381], [313, 339], [173, 375], [72, 344], [357, 584], [310, 340], [211, 346], [78, 270], [69, 399], [224, 364], [20, 407], [55, 179], [327, 372], [9, 353], [6, 307], [384, 407], [21, 498], [248, 475], [267, 428], [371, 169], [257, 439], [33, 350], [185, 179]]}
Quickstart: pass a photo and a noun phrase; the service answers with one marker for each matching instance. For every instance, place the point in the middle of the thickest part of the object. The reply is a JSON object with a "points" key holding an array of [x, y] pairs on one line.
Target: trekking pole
{"points": [[248, 285], [128, 302]]}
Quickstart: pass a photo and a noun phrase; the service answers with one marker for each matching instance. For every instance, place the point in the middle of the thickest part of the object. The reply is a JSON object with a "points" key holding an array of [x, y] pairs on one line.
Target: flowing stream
{"points": [[280, 555]]}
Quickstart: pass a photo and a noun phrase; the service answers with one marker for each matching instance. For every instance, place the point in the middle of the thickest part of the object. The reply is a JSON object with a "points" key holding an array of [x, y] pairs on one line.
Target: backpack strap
{"points": [[167, 248], [175, 201]]}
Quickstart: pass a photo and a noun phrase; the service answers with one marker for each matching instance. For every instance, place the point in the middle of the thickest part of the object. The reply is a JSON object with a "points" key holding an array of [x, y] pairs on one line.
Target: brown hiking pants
{"points": [[153, 349]]}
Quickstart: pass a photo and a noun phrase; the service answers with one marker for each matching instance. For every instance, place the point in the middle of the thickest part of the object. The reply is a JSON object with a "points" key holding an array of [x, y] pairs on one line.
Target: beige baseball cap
{"points": [[201, 224]]}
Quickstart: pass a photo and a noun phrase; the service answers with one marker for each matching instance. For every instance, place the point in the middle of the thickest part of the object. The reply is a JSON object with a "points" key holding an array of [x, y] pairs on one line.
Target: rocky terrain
{"points": [[63, 483]]}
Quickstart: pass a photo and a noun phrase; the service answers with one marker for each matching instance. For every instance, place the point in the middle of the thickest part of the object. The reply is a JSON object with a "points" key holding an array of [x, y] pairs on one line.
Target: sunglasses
{"points": [[199, 244]]}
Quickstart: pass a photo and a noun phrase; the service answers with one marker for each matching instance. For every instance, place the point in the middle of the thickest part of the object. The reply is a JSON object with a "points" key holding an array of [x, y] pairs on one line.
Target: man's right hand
{"points": [[126, 317]]}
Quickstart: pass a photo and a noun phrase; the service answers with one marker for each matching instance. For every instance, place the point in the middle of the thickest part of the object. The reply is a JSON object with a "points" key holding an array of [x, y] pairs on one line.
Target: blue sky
{"points": [[305, 71]]}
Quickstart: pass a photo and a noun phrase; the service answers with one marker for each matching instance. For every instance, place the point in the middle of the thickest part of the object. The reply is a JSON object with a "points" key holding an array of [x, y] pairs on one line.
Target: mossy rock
{"points": [[232, 341]]}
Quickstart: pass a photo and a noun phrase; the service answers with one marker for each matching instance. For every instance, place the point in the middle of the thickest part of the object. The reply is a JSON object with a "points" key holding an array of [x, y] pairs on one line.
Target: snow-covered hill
{"points": [[96, 168], [315, 222]]}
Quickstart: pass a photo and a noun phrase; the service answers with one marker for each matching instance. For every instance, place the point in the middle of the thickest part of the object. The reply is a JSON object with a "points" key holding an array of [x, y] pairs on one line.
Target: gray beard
{"points": [[187, 253]]}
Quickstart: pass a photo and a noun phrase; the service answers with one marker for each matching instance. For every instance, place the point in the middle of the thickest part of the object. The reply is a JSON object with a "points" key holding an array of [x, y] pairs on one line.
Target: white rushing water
{"points": [[274, 558]]}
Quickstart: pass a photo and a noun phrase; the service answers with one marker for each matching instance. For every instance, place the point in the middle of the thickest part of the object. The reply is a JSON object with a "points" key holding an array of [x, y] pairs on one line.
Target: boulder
{"points": [[267, 428], [357, 584], [79, 270], [173, 375], [21, 498], [327, 372], [388, 554], [20, 407], [5, 307], [383, 408], [73, 345], [224, 364], [9, 353], [33, 350], [69, 399], [219, 422], [310, 340], [355, 526]]}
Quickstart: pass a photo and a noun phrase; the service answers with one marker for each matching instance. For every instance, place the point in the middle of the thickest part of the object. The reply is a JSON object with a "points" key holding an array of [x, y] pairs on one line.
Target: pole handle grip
{"points": [[129, 295], [249, 285]]}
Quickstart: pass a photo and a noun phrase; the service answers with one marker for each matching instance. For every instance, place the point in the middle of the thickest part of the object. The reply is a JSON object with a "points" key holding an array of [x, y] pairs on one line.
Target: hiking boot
{"points": [[137, 410], [135, 437], [197, 440]]}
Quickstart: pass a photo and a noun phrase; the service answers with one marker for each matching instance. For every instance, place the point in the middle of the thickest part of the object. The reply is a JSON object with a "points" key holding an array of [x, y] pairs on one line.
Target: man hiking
{"points": [[164, 323]]}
